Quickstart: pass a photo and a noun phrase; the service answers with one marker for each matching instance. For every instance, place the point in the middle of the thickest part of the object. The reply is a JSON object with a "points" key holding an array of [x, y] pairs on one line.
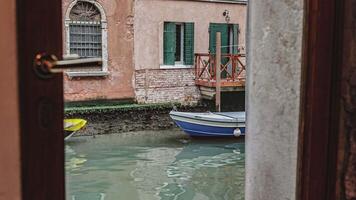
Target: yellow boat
{"points": [[73, 125]]}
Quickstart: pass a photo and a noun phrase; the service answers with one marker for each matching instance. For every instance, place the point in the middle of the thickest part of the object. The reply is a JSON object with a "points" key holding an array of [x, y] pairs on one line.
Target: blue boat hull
{"points": [[198, 130]]}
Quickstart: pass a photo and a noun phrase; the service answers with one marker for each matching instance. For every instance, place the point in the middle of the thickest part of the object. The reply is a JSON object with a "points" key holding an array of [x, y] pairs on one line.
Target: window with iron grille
{"points": [[85, 31], [85, 39]]}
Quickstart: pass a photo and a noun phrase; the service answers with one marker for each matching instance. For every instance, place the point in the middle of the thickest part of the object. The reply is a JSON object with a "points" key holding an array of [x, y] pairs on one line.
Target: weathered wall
{"points": [[348, 104], [118, 85], [166, 85], [273, 98], [151, 14], [9, 115]]}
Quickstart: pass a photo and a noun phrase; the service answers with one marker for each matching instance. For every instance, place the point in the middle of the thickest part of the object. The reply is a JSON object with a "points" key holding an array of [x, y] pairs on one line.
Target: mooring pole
{"points": [[218, 72]]}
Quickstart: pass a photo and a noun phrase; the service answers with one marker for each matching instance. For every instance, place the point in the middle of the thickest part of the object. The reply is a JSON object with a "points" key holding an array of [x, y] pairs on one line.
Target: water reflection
{"points": [[154, 165]]}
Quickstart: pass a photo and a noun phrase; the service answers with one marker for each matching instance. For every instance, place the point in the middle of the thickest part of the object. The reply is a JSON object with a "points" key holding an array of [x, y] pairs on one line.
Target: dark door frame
{"points": [[39, 30], [322, 56]]}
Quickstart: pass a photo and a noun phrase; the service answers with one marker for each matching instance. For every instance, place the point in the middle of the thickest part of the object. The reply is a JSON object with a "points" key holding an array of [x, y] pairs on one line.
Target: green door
{"points": [[224, 30]]}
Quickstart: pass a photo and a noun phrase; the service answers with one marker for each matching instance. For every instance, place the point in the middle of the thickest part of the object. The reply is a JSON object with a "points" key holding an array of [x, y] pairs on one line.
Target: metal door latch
{"points": [[45, 65]]}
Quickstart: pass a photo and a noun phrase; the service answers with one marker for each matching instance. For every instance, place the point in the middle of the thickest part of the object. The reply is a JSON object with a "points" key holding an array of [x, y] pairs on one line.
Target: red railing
{"points": [[232, 67]]}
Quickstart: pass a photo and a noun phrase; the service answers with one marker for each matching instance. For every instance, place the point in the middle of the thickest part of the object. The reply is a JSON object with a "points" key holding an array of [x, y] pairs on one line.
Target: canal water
{"points": [[154, 165]]}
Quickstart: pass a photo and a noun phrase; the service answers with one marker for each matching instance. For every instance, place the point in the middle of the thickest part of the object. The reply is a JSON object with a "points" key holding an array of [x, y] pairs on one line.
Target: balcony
{"points": [[233, 71]]}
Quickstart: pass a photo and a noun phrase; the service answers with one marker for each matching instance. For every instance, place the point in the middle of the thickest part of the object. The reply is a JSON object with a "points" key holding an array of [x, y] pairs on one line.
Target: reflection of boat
{"points": [[206, 149], [210, 124], [73, 125], [196, 167]]}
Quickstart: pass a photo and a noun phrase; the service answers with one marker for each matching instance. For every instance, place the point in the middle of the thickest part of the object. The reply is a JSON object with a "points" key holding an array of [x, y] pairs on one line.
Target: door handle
{"points": [[45, 65]]}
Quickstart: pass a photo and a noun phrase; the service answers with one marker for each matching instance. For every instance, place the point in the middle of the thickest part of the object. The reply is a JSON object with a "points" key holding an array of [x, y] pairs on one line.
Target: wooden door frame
{"points": [[39, 30], [319, 121]]}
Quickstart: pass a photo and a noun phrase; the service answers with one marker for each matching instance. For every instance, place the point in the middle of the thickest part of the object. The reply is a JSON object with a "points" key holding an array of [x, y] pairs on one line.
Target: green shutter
{"points": [[212, 38], [189, 43], [224, 30], [169, 43], [224, 38], [236, 32]]}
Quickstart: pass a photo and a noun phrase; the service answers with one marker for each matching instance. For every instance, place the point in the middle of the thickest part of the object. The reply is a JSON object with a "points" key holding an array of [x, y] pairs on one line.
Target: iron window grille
{"points": [[85, 38]]}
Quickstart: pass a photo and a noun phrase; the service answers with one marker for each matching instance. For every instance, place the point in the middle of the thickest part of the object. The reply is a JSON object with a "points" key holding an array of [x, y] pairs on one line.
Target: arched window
{"points": [[86, 33]]}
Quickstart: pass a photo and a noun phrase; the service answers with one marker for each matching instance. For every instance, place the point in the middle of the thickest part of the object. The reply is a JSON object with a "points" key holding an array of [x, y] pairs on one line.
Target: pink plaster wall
{"points": [[10, 187], [128, 51], [150, 16], [155, 84], [119, 83]]}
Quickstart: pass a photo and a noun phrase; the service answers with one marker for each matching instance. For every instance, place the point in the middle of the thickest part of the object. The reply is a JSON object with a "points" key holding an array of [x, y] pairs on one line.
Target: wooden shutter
{"points": [[212, 38], [169, 43], [236, 32], [224, 30], [188, 43]]}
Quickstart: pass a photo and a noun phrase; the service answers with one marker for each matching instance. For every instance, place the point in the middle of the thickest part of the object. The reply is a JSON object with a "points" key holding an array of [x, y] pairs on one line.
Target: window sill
{"points": [[87, 74], [176, 66]]}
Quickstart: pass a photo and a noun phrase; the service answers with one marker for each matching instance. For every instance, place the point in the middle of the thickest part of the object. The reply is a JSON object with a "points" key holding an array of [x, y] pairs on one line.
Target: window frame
{"points": [[180, 64], [104, 37]]}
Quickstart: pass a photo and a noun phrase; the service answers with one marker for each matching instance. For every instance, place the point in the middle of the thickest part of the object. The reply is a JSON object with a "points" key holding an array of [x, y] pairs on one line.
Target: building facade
{"points": [[102, 29], [146, 46]]}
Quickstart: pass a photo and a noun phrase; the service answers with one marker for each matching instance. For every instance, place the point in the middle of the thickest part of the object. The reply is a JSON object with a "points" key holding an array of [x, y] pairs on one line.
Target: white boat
{"points": [[208, 124]]}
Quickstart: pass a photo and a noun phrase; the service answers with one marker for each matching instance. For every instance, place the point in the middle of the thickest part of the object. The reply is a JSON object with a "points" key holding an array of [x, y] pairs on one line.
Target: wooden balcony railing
{"points": [[233, 71]]}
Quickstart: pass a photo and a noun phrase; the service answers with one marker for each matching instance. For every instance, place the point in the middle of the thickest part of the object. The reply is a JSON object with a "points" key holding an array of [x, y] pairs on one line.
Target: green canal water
{"points": [[154, 165]]}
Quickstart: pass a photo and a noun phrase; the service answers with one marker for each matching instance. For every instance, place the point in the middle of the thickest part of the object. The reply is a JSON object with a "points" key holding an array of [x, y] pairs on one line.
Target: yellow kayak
{"points": [[73, 125]]}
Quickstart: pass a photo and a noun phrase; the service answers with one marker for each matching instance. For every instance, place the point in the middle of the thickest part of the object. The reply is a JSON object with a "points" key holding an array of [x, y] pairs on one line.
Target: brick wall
{"points": [[166, 85]]}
